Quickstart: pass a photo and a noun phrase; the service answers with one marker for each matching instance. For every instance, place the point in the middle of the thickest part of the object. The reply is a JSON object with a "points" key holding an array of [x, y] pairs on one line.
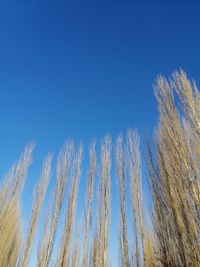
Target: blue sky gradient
{"points": [[81, 69]]}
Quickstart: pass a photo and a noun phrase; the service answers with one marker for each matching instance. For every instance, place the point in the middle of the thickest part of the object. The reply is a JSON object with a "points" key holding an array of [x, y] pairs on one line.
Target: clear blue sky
{"points": [[80, 69]]}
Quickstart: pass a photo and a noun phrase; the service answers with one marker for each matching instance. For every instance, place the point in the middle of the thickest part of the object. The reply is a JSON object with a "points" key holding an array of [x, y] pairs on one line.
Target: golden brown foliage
{"points": [[174, 174], [121, 169], [88, 215], [100, 243], [10, 217]]}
